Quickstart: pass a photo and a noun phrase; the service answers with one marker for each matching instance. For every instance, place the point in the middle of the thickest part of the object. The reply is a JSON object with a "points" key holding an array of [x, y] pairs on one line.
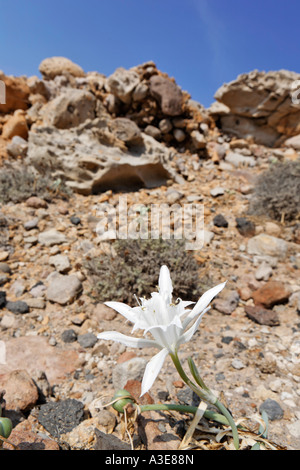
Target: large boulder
{"points": [[122, 83], [83, 157], [168, 94], [54, 66], [259, 105], [69, 109]]}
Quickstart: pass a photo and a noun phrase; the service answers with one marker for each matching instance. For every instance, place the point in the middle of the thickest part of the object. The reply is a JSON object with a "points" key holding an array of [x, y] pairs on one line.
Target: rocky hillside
{"points": [[71, 144]]}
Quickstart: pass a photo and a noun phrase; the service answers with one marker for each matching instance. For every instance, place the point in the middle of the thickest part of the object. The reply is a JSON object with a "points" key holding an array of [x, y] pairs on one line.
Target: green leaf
{"points": [[256, 446], [264, 433]]}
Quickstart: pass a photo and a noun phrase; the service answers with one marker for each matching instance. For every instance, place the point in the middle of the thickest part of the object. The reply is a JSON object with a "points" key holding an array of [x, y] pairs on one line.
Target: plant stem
{"points": [[208, 414], [208, 396], [232, 424]]}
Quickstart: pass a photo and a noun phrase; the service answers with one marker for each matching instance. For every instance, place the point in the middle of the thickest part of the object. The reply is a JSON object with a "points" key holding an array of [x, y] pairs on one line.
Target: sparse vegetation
{"points": [[134, 271], [277, 192], [17, 185]]}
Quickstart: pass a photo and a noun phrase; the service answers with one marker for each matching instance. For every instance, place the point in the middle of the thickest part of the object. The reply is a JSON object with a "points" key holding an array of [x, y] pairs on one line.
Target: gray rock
{"points": [[237, 364], [167, 93], [51, 237], [220, 221], [109, 442], [17, 307], [272, 408], [63, 289], [129, 370], [264, 244], [31, 224], [87, 340], [61, 263], [69, 336], [228, 304], [62, 416]]}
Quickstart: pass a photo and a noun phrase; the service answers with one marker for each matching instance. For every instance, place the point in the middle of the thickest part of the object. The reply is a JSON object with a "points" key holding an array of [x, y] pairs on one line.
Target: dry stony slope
{"points": [[72, 143]]}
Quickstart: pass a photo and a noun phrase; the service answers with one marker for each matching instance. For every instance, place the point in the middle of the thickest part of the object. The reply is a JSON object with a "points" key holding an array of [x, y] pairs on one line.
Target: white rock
{"points": [[236, 159], [264, 244], [51, 237], [61, 263], [264, 272]]}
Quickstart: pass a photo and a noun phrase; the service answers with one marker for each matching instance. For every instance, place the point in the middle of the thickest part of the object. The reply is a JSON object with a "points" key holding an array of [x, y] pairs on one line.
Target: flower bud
{"points": [[5, 427], [125, 398]]}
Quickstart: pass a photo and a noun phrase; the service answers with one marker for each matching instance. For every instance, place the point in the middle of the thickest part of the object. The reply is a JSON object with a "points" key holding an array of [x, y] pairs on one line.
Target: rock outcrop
{"points": [[259, 105]]}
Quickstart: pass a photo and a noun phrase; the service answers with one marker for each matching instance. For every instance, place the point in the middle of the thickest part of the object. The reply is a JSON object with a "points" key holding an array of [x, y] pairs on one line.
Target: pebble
{"points": [[51, 237], [61, 263], [69, 336], [63, 289], [228, 304], [2, 299], [38, 303], [36, 203], [272, 408], [264, 272], [237, 364], [75, 220], [245, 227], [218, 191], [5, 268], [87, 340], [261, 315], [31, 224], [220, 221], [17, 307]]}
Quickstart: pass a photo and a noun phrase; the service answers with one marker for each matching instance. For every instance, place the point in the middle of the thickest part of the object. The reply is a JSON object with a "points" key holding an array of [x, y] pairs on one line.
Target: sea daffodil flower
{"points": [[170, 324]]}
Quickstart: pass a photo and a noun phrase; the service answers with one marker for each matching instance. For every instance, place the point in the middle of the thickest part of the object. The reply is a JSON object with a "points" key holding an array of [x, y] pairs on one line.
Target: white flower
{"points": [[167, 322]]}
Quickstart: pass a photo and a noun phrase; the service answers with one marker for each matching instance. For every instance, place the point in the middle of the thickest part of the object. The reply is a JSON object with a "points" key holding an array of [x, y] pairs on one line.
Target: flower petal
{"points": [[123, 309], [166, 336], [203, 302], [165, 284], [152, 370], [190, 332], [129, 341]]}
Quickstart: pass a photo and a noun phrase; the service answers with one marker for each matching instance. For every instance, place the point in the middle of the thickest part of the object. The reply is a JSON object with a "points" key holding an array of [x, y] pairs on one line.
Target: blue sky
{"points": [[201, 43]]}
